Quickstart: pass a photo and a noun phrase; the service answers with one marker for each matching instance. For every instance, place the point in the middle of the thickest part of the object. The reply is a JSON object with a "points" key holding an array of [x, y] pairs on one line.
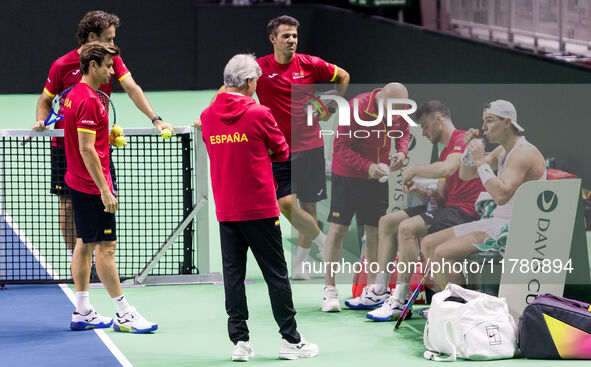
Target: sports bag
{"points": [[554, 327], [466, 324]]}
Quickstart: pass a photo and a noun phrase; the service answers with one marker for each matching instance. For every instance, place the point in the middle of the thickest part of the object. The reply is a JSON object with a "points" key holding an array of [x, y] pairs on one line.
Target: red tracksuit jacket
{"points": [[352, 156], [238, 134]]}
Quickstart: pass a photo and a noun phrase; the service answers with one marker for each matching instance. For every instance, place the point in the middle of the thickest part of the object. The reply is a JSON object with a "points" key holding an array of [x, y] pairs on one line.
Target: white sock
{"points": [[121, 305], [83, 306], [381, 284], [70, 253], [302, 254], [320, 240], [400, 292]]}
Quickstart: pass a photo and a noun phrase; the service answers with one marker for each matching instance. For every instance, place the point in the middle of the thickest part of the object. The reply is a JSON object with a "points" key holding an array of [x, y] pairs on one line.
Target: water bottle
{"points": [[432, 205], [467, 158]]}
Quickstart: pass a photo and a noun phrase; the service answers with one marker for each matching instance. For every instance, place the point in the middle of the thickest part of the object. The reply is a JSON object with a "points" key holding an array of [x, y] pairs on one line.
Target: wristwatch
{"points": [[156, 118]]}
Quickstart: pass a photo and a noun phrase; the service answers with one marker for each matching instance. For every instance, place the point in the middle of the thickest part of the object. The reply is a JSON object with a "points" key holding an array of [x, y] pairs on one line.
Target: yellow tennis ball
{"points": [[166, 133], [120, 141], [117, 130]]}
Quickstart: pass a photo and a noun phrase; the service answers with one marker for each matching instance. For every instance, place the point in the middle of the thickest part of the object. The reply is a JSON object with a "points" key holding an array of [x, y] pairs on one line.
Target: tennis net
{"points": [[155, 184]]}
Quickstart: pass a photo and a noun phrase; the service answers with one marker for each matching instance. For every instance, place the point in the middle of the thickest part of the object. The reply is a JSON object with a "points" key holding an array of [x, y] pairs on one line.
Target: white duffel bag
{"points": [[479, 329]]}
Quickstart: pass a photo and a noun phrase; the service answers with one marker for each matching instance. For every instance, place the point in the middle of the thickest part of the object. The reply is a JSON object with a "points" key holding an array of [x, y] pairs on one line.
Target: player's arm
{"points": [[93, 165], [503, 188], [341, 80], [469, 172], [440, 193], [135, 92], [53, 85], [343, 146], [475, 148], [434, 170], [43, 108]]}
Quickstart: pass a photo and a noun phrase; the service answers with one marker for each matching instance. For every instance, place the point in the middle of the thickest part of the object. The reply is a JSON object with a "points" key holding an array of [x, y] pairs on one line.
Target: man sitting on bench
{"points": [[516, 161]]}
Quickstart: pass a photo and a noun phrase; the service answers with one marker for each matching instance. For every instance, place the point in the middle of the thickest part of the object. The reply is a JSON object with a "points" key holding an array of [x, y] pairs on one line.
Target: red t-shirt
{"points": [[460, 193], [65, 72], [83, 111], [274, 90]]}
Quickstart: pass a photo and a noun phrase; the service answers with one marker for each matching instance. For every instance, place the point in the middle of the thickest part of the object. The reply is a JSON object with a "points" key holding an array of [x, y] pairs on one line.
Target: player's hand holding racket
{"points": [[53, 117], [40, 126]]}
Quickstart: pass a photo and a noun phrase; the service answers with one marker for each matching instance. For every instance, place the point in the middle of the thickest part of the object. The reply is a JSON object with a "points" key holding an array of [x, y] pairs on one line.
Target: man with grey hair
{"points": [[515, 160], [242, 139]]}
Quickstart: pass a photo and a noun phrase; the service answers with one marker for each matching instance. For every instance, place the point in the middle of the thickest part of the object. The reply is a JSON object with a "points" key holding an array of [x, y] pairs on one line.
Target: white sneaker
{"points": [[242, 351], [389, 311], [133, 322], [89, 321], [367, 300], [330, 300], [303, 349], [298, 272]]}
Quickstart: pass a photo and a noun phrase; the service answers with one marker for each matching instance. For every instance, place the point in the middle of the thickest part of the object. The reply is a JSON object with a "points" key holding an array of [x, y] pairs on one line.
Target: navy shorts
{"points": [[441, 218], [58, 172], [303, 174], [368, 199], [59, 167], [93, 224]]}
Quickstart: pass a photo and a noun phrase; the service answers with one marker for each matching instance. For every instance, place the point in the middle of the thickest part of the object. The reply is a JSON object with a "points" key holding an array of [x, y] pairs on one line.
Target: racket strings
{"points": [[108, 105]]}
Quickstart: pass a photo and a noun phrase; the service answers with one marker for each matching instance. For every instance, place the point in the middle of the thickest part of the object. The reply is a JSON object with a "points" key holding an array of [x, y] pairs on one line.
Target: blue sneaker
{"points": [[89, 321]]}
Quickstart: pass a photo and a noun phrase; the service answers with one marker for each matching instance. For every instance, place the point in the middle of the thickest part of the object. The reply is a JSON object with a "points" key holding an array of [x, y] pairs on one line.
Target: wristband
{"points": [[485, 173], [156, 118]]}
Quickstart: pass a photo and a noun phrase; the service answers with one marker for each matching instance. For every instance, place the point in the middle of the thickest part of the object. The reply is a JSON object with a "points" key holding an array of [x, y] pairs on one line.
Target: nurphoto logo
{"points": [[345, 112]]}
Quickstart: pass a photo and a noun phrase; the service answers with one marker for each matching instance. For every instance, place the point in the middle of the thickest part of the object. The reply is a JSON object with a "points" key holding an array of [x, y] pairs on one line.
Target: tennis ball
{"points": [[120, 141], [117, 130], [166, 133]]}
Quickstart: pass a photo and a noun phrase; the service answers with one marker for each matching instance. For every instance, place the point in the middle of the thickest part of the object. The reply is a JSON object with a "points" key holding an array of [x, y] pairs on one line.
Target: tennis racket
{"points": [[108, 105], [319, 105], [412, 299], [54, 114]]}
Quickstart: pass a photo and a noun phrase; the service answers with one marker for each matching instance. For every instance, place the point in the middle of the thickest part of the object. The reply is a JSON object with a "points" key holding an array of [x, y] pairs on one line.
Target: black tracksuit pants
{"points": [[263, 236]]}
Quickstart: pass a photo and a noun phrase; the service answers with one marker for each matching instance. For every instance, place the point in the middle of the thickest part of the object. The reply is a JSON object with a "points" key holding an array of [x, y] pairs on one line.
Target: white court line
{"points": [[67, 291], [99, 332]]}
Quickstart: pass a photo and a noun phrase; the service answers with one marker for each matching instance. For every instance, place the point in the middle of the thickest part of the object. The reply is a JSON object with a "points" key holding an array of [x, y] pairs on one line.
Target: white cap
{"points": [[504, 109]]}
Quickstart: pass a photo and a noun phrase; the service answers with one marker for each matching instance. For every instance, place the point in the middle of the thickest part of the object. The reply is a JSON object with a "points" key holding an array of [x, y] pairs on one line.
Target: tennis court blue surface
{"points": [[35, 320]]}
